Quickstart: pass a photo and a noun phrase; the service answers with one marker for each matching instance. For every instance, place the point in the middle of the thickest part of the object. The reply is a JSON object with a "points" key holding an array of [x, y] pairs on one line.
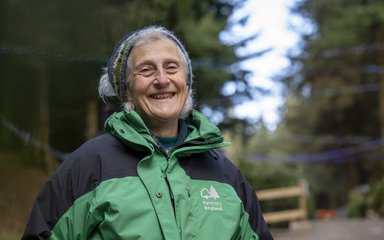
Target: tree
{"points": [[55, 57], [335, 93]]}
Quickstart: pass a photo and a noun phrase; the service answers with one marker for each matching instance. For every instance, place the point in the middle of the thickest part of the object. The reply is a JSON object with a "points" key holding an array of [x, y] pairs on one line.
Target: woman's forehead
{"points": [[156, 50]]}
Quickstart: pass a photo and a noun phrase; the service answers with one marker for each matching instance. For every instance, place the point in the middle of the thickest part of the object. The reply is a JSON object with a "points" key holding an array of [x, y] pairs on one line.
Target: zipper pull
{"points": [[171, 193], [163, 173]]}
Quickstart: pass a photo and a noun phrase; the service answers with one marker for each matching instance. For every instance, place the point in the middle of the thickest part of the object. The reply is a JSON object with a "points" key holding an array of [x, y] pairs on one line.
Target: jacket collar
{"points": [[196, 130]]}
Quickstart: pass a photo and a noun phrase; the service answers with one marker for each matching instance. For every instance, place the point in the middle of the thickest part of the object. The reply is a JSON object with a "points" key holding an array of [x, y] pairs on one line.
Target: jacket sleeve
{"points": [[253, 211], [60, 204], [47, 207], [38, 225]]}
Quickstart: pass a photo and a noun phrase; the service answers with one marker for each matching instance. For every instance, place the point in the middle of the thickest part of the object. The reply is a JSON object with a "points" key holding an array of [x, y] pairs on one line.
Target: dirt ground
{"points": [[335, 229], [18, 188]]}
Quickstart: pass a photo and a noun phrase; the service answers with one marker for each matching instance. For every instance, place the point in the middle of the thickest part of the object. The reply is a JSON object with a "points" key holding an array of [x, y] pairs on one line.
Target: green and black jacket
{"points": [[122, 185]]}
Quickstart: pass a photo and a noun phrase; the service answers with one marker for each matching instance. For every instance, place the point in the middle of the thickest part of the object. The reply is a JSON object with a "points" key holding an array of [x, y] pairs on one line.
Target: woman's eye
{"points": [[146, 72], [172, 68]]}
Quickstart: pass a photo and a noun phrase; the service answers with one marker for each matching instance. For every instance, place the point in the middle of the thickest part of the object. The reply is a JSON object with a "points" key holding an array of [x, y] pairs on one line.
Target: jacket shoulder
{"points": [[97, 145], [105, 157]]}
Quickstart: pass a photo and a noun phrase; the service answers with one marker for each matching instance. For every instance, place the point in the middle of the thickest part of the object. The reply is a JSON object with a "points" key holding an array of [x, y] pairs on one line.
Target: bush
{"points": [[356, 206], [375, 199], [369, 198], [265, 175]]}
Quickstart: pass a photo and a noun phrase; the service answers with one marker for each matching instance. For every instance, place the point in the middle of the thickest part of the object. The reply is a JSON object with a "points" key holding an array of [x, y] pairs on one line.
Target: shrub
{"points": [[369, 198], [375, 199], [356, 206]]}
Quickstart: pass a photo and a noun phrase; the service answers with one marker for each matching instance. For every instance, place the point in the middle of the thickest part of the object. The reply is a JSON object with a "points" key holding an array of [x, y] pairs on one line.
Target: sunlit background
{"points": [[274, 24]]}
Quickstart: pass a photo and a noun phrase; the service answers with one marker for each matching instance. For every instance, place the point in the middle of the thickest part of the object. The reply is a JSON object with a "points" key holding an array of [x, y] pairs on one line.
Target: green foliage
{"points": [[356, 205], [327, 95], [368, 200], [375, 199], [269, 175]]}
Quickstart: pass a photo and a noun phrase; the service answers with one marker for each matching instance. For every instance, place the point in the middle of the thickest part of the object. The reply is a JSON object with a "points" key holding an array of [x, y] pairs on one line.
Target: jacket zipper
{"points": [[169, 185], [165, 152], [171, 195]]}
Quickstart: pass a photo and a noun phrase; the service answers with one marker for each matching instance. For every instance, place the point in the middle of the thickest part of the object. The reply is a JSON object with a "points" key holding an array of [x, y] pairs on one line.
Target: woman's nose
{"points": [[161, 76]]}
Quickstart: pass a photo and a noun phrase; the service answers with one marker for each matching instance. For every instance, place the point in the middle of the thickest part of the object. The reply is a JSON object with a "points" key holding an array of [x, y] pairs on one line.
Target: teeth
{"points": [[162, 95]]}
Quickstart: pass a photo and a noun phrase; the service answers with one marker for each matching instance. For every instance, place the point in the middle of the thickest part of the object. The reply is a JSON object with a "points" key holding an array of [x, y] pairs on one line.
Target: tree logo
{"points": [[211, 193]]}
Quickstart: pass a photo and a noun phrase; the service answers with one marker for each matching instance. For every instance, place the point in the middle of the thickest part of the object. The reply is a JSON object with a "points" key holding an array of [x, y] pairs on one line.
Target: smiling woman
{"points": [[157, 166]]}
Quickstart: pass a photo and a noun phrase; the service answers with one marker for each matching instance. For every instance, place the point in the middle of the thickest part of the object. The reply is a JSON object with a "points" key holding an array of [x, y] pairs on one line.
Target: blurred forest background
{"points": [[332, 122]]}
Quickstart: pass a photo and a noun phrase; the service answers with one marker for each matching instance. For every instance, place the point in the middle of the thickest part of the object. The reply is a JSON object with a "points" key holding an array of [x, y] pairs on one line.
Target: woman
{"points": [[156, 172]]}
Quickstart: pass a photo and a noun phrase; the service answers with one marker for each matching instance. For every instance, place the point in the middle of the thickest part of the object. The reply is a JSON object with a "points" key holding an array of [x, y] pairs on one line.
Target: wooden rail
{"points": [[300, 213]]}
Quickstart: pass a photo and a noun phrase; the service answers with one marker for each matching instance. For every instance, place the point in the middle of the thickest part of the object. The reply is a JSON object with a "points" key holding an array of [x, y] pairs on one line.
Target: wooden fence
{"points": [[299, 191]]}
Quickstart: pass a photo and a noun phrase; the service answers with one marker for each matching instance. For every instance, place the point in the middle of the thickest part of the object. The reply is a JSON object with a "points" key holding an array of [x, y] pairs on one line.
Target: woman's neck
{"points": [[164, 129]]}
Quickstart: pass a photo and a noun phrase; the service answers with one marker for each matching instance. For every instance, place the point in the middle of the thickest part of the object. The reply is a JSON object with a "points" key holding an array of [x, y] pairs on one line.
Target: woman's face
{"points": [[158, 87]]}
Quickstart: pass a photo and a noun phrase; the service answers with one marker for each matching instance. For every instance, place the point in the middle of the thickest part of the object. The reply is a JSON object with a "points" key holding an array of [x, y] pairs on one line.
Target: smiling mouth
{"points": [[162, 95]]}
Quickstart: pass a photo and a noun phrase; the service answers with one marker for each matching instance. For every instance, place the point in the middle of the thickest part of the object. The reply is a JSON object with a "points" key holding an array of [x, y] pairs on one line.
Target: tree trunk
{"points": [[92, 119], [42, 151], [381, 103]]}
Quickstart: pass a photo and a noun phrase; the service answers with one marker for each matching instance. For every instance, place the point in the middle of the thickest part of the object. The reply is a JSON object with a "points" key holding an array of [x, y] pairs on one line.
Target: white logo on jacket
{"points": [[210, 205], [211, 193]]}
